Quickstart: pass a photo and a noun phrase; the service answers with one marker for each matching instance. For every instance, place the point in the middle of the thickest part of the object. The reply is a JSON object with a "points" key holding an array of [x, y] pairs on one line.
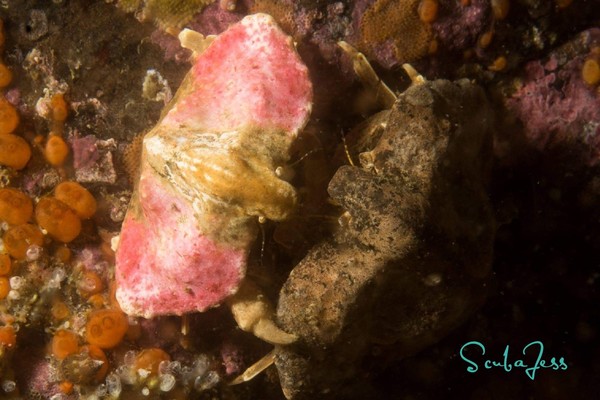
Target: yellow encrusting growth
{"points": [[396, 23], [282, 12], [169, 15]]}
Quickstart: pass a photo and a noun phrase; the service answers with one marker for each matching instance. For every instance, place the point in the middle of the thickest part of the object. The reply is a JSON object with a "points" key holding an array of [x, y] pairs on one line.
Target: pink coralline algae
{"points": [[458, 26], [92, 159], [557, 108], [208, 172]]}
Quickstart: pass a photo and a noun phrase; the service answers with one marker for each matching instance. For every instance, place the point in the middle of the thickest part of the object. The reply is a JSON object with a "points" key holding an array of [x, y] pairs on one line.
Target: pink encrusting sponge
{"points": [[208, 172], [251, 74]]}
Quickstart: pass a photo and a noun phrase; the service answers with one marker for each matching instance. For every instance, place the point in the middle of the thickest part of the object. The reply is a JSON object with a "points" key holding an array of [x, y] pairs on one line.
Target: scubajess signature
{"points": [[532, 360]]}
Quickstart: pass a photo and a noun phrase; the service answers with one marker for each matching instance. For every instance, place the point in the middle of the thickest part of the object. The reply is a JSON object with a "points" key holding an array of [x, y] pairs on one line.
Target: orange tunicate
{"points": [[90, 283], [66, 387], [64, 343], [485, 39], [149, 359], [5, 265], [97, 301], [106, 328], [77, 197], [498, 65], [9, 119], [5, 75], [14, 151], [60, 310], [4, 287], [59, 107], [433, 46], [500, 8], [428, 10], [18, 239], [62, 254], [56, 150], [57, 219], [96, 353], [591, 72], [8, 336], [16, 207]]}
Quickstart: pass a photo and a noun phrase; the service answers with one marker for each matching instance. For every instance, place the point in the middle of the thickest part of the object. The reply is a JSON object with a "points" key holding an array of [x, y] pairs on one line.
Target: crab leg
{"points": [[254, 313], [256, 368], [368, 76]]}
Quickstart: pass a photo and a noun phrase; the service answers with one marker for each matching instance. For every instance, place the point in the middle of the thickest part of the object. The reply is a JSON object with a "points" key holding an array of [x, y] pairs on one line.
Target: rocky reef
{"points": [[425, 206]]}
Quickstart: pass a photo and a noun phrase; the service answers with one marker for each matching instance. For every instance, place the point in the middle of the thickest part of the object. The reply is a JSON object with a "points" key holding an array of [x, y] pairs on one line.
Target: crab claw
{"points": [[254, 313]]}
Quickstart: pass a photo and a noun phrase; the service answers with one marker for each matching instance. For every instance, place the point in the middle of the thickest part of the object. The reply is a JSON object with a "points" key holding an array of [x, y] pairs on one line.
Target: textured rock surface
{"points": [[414, 256], [208, 170]]}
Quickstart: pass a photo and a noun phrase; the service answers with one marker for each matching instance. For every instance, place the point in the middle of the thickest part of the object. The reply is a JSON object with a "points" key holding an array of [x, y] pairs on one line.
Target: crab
{"points": [[412, 254], [209, 173]]}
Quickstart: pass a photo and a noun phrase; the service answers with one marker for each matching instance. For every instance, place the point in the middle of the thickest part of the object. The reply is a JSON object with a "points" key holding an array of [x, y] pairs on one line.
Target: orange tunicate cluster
{"points": [[58, 219], [19, 238], [56, 149], [14, 150], [61, 215], [150, 359], [16, 207], [106, 328]]}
